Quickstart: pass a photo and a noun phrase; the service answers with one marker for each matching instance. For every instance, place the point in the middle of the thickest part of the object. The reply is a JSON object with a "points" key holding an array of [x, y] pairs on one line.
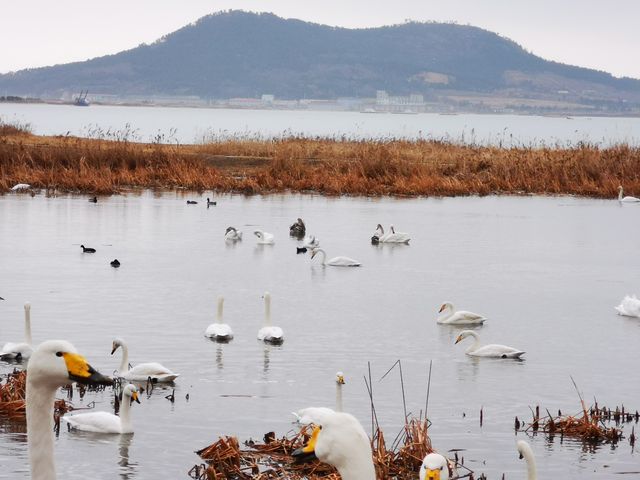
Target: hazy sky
{"points": [[592, 33]]}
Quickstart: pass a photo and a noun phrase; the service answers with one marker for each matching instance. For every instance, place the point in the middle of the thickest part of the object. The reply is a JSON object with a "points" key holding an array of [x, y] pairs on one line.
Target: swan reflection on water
{"points": [[219, 358], [128, 469]]}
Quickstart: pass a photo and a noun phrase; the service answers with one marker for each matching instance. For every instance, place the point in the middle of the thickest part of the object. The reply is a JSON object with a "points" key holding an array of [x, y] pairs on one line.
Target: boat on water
{"points": [[81, 100]]}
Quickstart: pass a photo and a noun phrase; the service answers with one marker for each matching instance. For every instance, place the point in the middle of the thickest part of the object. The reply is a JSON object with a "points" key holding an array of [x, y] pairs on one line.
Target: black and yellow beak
{"points": [[80, 371], [432, 474], [308, 452], [458, 339], [135, 398]]}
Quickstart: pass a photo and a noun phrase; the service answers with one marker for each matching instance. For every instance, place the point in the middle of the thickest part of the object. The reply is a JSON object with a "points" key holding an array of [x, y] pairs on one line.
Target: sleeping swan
{"points": [[54, 363], [220, 332], [629, 307], [626, 199], [339, 440], [335, 261], [105, 422], [493, 350], [232, 234], [143, 371], [268, 333], [20, 351], [264, 238], [449, 316]]}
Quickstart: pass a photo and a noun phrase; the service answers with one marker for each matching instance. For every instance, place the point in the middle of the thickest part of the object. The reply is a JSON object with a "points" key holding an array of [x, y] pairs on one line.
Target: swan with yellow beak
{"points": [[435, 467]]}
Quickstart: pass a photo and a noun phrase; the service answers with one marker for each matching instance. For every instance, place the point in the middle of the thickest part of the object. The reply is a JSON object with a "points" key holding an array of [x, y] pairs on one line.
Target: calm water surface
{"points": [[546, 271], [189, 125]]}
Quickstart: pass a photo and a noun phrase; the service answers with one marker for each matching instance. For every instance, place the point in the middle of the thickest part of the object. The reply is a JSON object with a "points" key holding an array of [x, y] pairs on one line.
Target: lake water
{"points": [[195, 125], [547, 271]]}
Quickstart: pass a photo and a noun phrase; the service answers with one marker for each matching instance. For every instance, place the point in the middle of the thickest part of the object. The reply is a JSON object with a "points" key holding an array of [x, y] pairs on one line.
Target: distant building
{"points": [[268, 99], [382, 97]]}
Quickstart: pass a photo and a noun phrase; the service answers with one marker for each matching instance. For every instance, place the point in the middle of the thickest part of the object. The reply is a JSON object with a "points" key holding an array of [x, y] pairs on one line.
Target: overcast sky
{"points": [[592, 33]]}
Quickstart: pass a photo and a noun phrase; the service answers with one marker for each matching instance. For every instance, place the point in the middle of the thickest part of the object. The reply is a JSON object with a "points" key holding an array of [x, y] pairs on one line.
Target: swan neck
{"points": [[220, 307], [124, 364], [476, 342], [267, 311], [39, 401], [125, 414], [324, 256], [338, 397], [619, 194], [532, 474], [27, 325], [359, 466]]}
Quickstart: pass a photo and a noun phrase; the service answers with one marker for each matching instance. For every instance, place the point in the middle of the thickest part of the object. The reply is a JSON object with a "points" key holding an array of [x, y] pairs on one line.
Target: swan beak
{"points": [[340, 379], [308, 453], [114, 347], [520, 456], [441, 308], [313, 253], [80, 371], [458, 339], [433, 474], [135, 398]]}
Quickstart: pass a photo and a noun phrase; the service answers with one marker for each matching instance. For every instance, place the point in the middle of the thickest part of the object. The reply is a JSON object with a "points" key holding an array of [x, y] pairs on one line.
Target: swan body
{"points": [[232, 234], [525, 452], [449, 316], [626, 199], [143, 371], [310, 241], [54, 363], [298, 229], [105, 422], [20, 351], [629, 307], [269, 333], [493, 350], [20, 186], [220, 332], [335, 261], [339, 440], [264, 238], [435, 467]]}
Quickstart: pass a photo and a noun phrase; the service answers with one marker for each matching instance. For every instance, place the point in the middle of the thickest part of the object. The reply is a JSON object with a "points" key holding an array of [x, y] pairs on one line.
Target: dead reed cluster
{"points": [[329, 166], [272, 458]]}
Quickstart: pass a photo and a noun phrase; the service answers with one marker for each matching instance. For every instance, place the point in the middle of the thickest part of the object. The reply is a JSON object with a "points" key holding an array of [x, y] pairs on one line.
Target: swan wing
{"points": [[397, 237], [270, 334], [218, 330], [16, 350], [463, 317], [629, 307], [343, 262], [98, 422], [630, 199], [496, 351]]}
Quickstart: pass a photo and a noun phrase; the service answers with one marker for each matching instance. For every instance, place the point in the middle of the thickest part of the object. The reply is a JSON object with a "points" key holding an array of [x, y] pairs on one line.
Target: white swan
{"points": [[143, 371], [493, 350], [525, 452], [392, 237], [310, 241], [105, 422], [268, 333], [20, 186], [264, 238], [339, 383], [339, 440], [220, 332], [629, 307], [232, 234], [626, 199], [20, 351], [435, 467], [449, 315], [335, 261], [54, 363]]}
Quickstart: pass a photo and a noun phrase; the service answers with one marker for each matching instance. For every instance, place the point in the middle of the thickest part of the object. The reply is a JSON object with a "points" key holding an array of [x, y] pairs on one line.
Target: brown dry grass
{"points": [[329, 166]]}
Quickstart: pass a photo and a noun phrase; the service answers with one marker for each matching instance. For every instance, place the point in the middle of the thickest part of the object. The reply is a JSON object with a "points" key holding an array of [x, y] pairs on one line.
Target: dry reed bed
{"points": [[329, 166]]}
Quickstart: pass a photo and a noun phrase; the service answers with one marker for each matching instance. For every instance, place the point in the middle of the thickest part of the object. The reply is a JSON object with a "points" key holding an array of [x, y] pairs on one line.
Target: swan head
{"points": [[445, 306], [340, 378], [117, 343], [230, 229], [393, 230], [258, 234], [57, 362], [379, 228], [619, 188], [434, 467], [27, 307], [131, 391], [464, 334], [266, 296]]}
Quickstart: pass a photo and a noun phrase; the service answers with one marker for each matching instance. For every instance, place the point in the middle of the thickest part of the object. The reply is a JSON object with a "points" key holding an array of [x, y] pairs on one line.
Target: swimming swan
{"points": [[339, 383], [54, 363], [629, 307], [20, 186], [232, 234], [449, 315], [105, 422], [339, 440], [493, 350], [525, 452], [626, 199], [392, 237], [20, 351], [220, 332], [264, 238], [269, 333], [335, 261], [143, 371], [435, 467]]}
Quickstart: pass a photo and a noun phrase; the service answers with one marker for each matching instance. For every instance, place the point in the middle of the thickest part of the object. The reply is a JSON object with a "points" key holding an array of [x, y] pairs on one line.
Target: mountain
{"points": [[240, 54]]}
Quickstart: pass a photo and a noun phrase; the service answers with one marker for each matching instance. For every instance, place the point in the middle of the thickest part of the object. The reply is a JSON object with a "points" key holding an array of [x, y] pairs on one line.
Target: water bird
{"points": [[54, 364], [301, 250], [268, 333], [93, 199], [20, 186], [436, 467], [339, 383], [298, 229], [449, 316], [264, 238], [492, 350], [115, 263], [232, 234], [106, 422], [392, 237], [339, 440], [626, 199], [1, 298], [143, 371], [87, 249], [335, 261], [218, 331], [191, 202], [22, 350], [629, 307], [310, 242], [525, 452], [210, 203]]}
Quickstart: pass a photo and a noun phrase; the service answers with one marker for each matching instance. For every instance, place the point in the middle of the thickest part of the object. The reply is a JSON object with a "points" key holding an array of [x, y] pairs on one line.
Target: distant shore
{"points": [[326, 166]]}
